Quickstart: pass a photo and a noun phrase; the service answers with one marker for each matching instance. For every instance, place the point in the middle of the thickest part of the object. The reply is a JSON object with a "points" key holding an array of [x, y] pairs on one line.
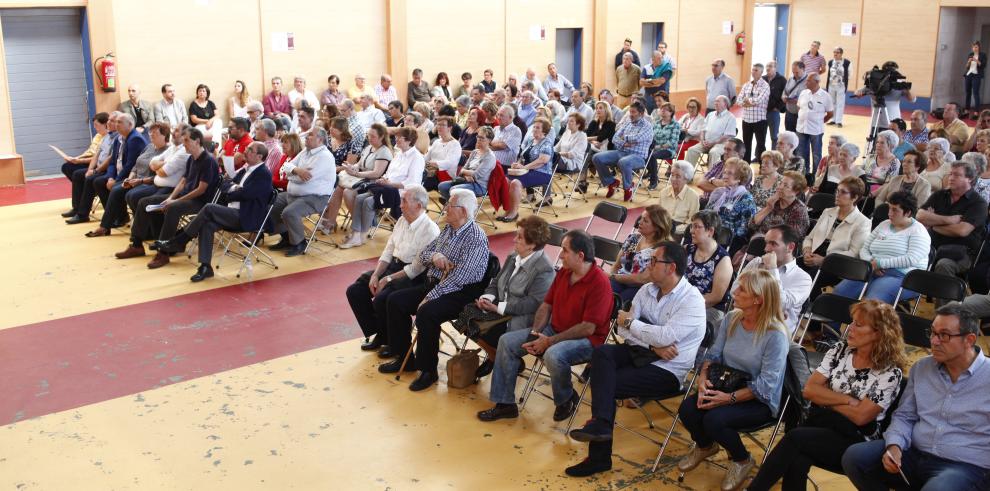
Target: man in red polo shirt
{"points": [[580, 300], [239, 131]]}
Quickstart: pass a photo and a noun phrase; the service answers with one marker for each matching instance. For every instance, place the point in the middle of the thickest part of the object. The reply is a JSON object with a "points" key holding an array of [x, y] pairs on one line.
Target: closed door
{"points": [[47, 85], [568, 54]]}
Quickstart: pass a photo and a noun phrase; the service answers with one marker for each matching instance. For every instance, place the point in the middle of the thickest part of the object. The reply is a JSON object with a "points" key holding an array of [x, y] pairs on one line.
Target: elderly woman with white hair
{"points": [[844, 166], [679, 199], [982, 183], [787, 142], [835, 142], [884, 166], [938, 165]]}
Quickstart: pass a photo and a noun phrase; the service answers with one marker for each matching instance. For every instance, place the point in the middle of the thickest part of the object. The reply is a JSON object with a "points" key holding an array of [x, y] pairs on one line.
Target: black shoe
{"points": [[565, 410], [586, 468], [69, 214], [386, 352], [297, 250], [205, 271], [174, 245], [77, 219], [500, 411], [424, 381], [372, 345], [282, 244], [394, 365], [485, 368], [582, 187], [594, 430]]}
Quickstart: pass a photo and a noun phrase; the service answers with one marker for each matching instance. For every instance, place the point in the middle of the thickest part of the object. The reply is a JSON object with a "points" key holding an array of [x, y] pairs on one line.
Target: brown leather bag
{"points": [[461, 368]]}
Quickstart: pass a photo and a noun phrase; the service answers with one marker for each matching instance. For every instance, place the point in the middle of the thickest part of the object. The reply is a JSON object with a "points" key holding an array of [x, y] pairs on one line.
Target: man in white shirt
{"points": [[396, 269], [312, 176], [579, 106], [720, 126], [814, 110], [559, 82], [538, 89], [794, 282], [666, 326], [297, 95], [247, 196], [369, 114], [170, 109]]}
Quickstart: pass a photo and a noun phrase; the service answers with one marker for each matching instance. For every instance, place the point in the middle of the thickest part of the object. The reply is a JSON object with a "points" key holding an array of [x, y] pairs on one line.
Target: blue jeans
{"points": [[883, 288], [862, 464], [773, 120], [558, 360], [809, 145], [972, 87], [721, 425], [626, 161], [445, 188]]}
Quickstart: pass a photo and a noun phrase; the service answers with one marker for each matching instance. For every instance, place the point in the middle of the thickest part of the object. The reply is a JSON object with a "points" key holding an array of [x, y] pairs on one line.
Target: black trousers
{"points": [[798, 451], [402, 305], [758, 130], [613, 376], [114, 208], [101, 191], [651, 164], [160, 225], [87, 190], [78, 179], [790, 122], [371, 311], [68, 169], [211, 218]]}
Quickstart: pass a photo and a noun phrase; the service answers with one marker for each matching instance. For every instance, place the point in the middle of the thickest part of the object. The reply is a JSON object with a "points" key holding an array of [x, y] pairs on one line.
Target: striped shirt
{"points": [[813, 63], [466, 248], [511, 137], [904, 250], [639, 134]]}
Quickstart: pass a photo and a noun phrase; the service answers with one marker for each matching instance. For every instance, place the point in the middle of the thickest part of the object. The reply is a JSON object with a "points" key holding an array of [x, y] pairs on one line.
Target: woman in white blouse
{"points": [[938, 167], [405, 169], [845, 167], [370, 166], [842, 229], [692, 124], [237, 104], [443, 156], [573, 145]]}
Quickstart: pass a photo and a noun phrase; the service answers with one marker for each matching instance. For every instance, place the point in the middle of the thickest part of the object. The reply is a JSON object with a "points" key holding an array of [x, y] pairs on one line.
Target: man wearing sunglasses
{"points": [[938, 437]]}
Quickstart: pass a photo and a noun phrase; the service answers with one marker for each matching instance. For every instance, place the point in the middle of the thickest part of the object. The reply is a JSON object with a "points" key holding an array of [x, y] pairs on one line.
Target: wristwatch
{"points": [[388, 279]]}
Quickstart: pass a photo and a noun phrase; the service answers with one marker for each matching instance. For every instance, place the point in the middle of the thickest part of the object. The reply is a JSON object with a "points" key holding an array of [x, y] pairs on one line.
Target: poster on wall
{"points": [[726, 27], [847, 29], [537, 32], [282, 41]]}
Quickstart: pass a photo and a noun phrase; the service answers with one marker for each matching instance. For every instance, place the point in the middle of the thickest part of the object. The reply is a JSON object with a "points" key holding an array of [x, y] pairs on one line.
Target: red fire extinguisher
{"points": [[741, 43], [106, 72]]}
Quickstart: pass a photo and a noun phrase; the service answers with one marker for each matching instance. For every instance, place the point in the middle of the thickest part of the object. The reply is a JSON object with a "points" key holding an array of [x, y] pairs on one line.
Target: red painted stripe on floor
{"points": [[34, 191], [66, 363]]}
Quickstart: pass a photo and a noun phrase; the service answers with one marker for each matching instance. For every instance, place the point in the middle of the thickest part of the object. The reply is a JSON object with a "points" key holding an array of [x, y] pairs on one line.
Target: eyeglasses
{"points": [[844, 192], [943, 336], [655, 260]]}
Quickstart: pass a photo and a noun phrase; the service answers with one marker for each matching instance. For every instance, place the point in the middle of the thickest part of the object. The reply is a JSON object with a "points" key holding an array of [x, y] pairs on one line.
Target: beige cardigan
{"points": [[922, 189], [848, 237]]}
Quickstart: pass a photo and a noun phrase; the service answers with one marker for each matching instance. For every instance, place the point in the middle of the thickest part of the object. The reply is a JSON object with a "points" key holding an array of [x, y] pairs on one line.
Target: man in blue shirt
{"points": [[938, 437], [632, 143]]}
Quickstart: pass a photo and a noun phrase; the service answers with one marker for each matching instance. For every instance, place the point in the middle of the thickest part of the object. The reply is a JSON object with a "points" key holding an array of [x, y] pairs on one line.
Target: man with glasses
{"points": [[247, 196], [938, 437], [454, 263], [312, 176], [663, 331], [956, 218]]}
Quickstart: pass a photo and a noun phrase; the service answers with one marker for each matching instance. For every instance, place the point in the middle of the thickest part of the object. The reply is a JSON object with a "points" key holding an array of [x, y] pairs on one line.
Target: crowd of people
{"points": [[719, 251]]}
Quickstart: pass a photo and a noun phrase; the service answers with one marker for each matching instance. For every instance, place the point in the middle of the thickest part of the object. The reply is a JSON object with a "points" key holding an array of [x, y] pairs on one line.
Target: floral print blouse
{"points": [[879, 386], [760, 195], [632, 261]]}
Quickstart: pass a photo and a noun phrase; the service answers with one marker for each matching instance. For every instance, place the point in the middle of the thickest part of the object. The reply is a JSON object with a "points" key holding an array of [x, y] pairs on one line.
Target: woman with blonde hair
{"points": [[850, 393], [237, 104], [752, 343]]}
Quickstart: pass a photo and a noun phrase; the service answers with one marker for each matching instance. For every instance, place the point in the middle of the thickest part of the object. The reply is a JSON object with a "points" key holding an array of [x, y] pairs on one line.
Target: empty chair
{"points": [[818, 202], [609, 212], [933, 285], [829, 307]]}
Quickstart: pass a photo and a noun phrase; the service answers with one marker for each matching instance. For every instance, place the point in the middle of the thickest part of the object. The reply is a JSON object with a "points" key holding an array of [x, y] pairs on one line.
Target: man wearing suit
{"points": [[170, 109], [112, 192], [137, 108], [247, 196], [519, 288]]}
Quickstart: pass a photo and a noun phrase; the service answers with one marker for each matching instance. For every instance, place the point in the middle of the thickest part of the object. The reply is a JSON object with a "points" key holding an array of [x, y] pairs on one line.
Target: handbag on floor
{"points": [[461, 368]]}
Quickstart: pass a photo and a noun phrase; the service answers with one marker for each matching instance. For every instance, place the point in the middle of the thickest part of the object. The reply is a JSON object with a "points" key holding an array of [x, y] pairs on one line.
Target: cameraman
{"points": [[892, 101]]}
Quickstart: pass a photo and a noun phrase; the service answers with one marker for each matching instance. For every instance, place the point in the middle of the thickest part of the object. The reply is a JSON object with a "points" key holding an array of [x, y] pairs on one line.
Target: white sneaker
{"points": [[696, 456], [356, 240], [736, 475]]}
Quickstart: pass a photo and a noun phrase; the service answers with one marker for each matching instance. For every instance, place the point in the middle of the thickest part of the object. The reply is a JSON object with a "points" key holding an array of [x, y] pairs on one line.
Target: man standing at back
{"points": [[755, 96], [626, 49], [626, 80], [814, 109], [719, 84]]}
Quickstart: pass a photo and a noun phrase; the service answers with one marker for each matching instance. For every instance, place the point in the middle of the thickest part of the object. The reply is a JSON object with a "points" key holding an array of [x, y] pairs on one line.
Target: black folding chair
{"points": [[880, 213], [248, 250], [818, 202], [916, 330], [829, 307], [932, 285], [557, 240], [607, 250], [610, 212]]}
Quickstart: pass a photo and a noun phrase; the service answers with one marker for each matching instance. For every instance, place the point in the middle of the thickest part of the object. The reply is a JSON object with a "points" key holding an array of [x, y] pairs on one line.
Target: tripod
{"points": [[880, 106]]}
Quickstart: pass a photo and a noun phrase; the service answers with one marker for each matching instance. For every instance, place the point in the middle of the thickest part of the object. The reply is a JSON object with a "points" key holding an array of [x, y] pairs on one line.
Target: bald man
{"points": [[137, 108]]}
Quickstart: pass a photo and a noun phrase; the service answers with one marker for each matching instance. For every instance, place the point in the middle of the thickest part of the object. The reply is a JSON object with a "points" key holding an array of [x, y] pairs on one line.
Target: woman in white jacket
{"points": [[842, 229]]}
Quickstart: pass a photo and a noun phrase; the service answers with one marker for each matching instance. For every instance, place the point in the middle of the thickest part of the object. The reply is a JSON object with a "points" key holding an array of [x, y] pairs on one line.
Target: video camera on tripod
{"points": [[881, 81]]}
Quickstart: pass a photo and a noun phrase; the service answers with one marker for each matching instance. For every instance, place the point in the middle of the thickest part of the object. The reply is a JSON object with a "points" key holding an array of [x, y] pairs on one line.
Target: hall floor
{"points": [[117, 377]]}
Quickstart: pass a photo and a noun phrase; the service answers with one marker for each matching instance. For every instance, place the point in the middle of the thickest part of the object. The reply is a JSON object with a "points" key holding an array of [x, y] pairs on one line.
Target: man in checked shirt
{"points": [[455, 266]]}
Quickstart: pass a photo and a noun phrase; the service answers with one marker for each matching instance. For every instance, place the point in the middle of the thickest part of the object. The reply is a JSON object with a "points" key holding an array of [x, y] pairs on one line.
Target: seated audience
{"points": [[752, 338], [455, 264], [956, 217], [709, 267], [787, 142], [312, 176], [443, 156], [395, 116], [881, 169], [713, 179], [385, 92], [300, 96], [601, 129], [197, 187], [938, 436], [899, 127], [168, 168], [343, 146], [85, 183], [418, 90], [333, 95], [238, 102], [352, 178], [239, 132], [666, 137], [910, 181], [779, 261], [508, 136], [88, 157], [264, 131], [398, 268], [291, 146], [348, 112], [369, 114], [170, 109], [405, 169], [476, 119], [478, 168], [771, 175], [247, 196], [733, 202], [276, 103], [573, 145], [678, 198], [533, 169], [896, 246], [938, 167], [720, 126], [203, 113], [851, 393], [631, 268], [667, 315], [632, 142], [846, 166], [842, 229], [693, 124], [111, 192], [982, 182], [580, 303], [518, 289], [917, 134], [785, 207], [835, 143]]}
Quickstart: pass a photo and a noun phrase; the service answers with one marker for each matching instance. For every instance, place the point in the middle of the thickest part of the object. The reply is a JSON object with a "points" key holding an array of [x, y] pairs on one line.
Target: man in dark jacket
{"points": [[775, 105], [247, 196]]}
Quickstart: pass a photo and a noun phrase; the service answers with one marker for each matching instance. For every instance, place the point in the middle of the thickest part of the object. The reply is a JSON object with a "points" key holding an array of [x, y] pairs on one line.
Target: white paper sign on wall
{"points": [[726, 27]]}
